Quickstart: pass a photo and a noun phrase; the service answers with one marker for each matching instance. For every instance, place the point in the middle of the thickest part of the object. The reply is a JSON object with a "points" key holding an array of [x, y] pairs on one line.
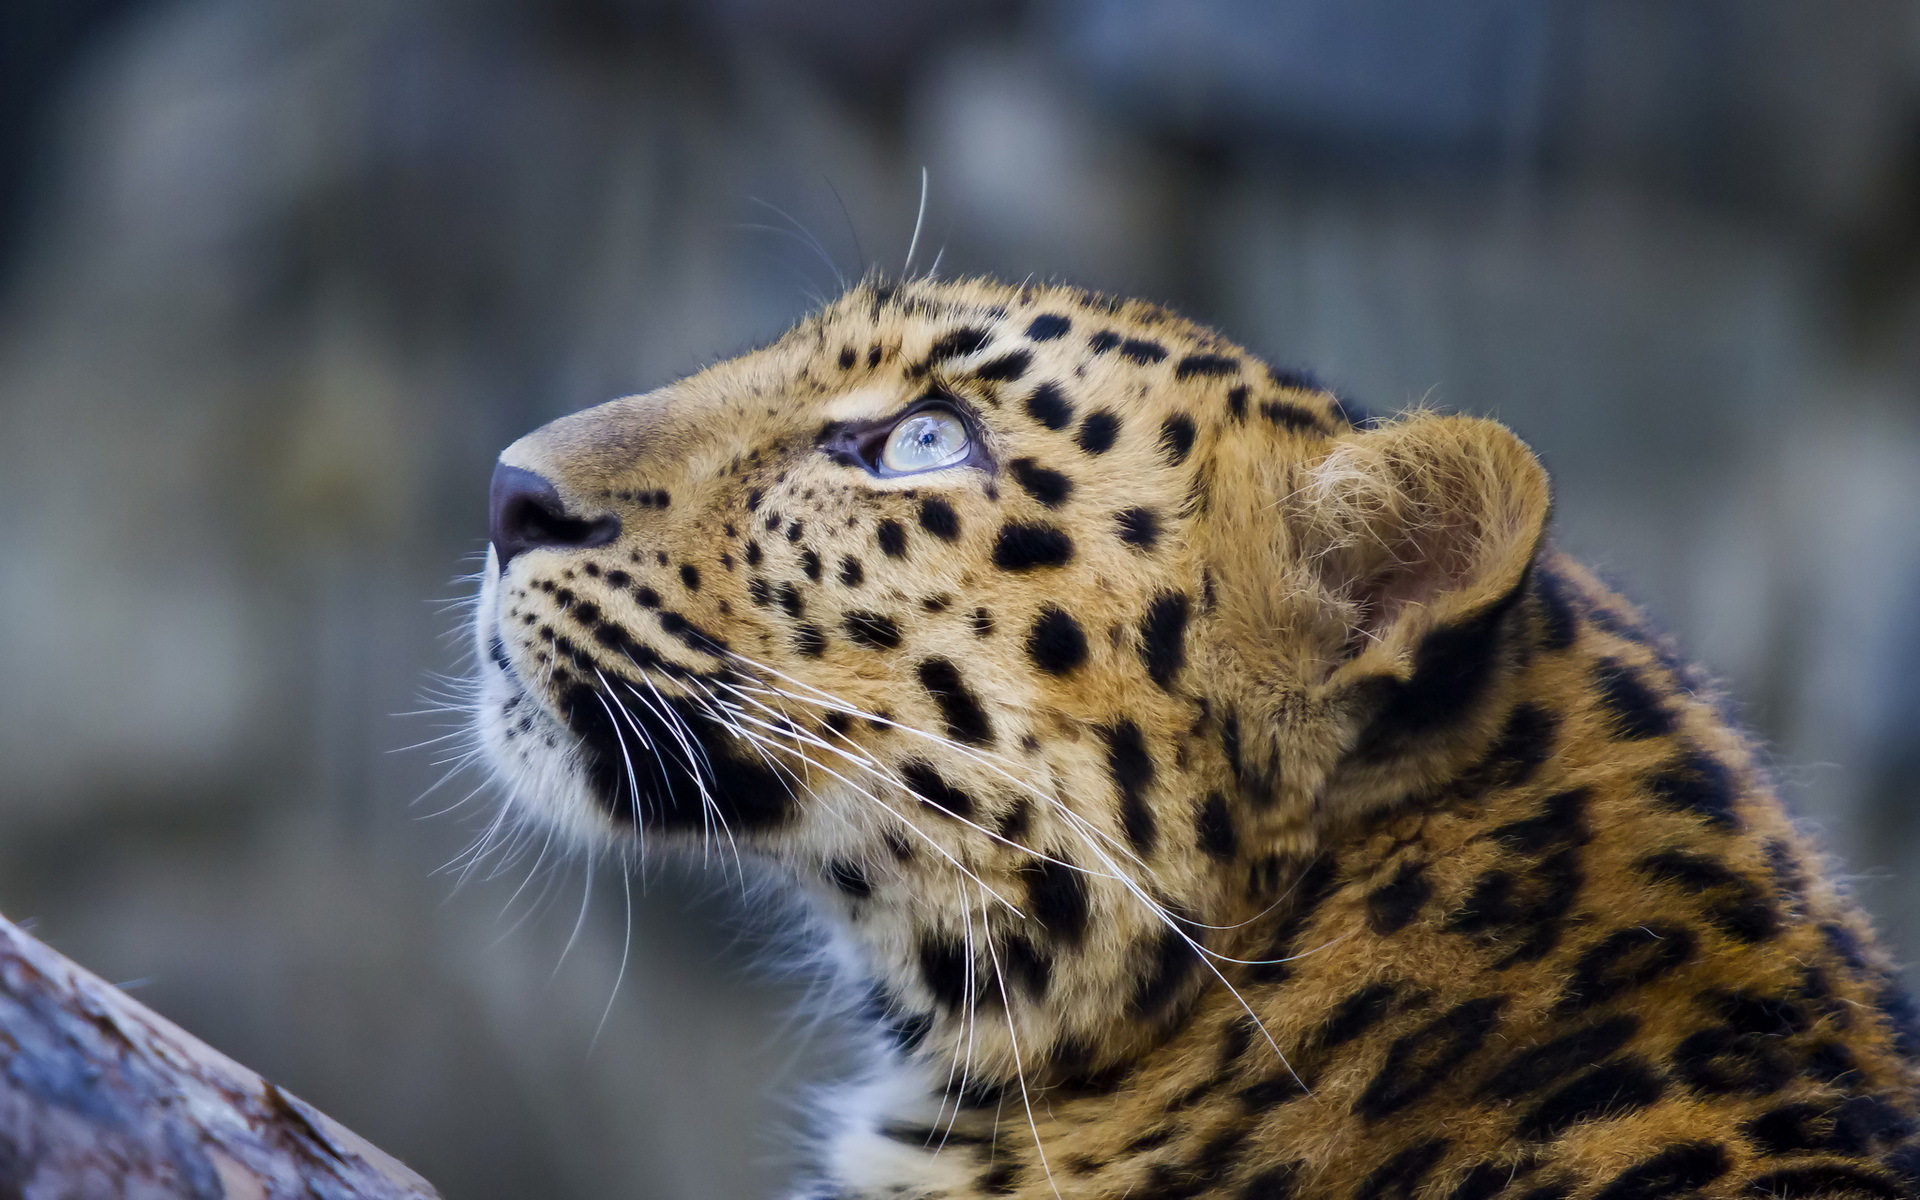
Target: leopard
{"points": [[1207, 788]]}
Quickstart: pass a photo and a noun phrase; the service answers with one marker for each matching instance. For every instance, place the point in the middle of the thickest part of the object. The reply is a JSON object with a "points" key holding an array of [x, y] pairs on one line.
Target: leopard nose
{"points": [[526, 513]]}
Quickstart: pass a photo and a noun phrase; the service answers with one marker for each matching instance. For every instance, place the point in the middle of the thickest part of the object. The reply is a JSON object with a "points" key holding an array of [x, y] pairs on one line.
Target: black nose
{"points": [[526, 513]]}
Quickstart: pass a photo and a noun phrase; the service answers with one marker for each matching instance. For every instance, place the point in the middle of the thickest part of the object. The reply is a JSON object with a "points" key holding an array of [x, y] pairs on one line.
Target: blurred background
{"points": [[278, 278]]}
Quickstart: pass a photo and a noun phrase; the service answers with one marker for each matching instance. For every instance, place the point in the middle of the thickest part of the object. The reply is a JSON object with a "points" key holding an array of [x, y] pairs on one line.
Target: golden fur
{"points": [[1219, 793]]}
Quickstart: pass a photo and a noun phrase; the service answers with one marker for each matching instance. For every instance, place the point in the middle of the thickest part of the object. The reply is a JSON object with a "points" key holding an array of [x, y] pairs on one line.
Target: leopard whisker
{"points": [[1019, 1067], [928, 838]]}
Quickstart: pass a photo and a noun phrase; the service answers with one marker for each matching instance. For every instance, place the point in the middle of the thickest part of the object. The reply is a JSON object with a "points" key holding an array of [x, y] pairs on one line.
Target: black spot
{"points": [[1525, 742], [1723, 1061], [1452, 668], [1103, 341], [926, 1136], [758, 590], [892, 537], [1057, 898], [1393, 905], [1142, 351], [1610, 1090], [1205, 365], [1176, 438], [1736, 905], [1758, 1012], [1560, 822], [982, 622], [1700, 784], [1852, 1126], [690, 576], [1541, 1066], [1132, 770], [852, 574], [934, 791], [1358, 1013], [1825, 1182], [1163, 637], [851, 878], [1139, 527], [1216, 1158], [690, 634], [1015, 823], [753, 554], [1001, 1180], [1831, 1062], [1400, 1177], [1050, 406], [966, 720], [1521, 909], [1098, 432], [1679, 1170], [809, 565], [1316, 879], [1843, 942], [1902, 1015], [934, 604], [1559, 624], [875, 631], [906, 1029], [1028, 966], [646, 597], [1218, 835], [1056, 643], [938, 518], [847, 357], [1169, 963], [1635, 710], [943, 964], [1419, 1061], [1022, 546], [1006, 368], [1237, 402], [1289, 416], [810, 640], [1272, 1092], [1044, 484], [1275, 1183], [1623, 960], [957, 344], [1047, 326], [788, 598]]}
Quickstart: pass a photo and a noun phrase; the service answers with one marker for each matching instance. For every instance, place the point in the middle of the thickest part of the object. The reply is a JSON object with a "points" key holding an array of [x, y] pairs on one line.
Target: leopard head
{"points": [[1039, 635]]}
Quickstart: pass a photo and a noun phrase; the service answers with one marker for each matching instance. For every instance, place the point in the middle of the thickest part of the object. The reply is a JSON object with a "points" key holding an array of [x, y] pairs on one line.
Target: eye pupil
{"points": [[926, 440]]}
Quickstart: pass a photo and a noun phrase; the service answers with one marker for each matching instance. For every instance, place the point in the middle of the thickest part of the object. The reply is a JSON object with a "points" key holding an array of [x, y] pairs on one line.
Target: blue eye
{"points": [[925, 441]]}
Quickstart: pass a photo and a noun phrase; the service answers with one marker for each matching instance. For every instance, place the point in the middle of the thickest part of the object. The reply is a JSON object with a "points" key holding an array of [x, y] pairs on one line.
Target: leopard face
{"points": [[998, 615]]}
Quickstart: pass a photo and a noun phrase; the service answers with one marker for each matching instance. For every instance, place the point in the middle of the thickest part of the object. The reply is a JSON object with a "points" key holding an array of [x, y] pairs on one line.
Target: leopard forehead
{"points": [[1029, 596]]}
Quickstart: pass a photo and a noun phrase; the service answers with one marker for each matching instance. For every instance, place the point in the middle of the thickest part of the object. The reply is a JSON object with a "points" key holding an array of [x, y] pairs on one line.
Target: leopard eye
{"points": [[926, 440]]}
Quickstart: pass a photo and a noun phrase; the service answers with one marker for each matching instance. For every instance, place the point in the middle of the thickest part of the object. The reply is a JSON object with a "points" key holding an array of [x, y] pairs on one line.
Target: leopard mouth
{"points": [[638, 749], [660, 762]]}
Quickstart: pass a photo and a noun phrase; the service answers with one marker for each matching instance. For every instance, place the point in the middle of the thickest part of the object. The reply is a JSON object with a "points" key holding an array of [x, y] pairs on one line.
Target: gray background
{"points": [[279, 277]]}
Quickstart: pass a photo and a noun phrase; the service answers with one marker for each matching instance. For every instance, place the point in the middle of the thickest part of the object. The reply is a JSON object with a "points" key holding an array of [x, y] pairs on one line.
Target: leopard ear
{"points": [[1411, 527]]}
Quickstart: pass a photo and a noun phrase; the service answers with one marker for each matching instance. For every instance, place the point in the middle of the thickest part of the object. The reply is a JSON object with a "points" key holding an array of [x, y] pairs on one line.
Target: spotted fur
{"points": [[1219, 792]]}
